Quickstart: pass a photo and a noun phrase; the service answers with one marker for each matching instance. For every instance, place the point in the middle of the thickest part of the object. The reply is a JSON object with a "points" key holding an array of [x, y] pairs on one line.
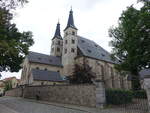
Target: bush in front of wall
{"points": [[140, 94], [118, 96]]}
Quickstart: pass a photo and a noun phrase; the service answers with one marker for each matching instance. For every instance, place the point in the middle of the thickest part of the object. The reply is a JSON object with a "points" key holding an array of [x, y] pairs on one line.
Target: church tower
{"points": [[69, 46], [57, 43]]}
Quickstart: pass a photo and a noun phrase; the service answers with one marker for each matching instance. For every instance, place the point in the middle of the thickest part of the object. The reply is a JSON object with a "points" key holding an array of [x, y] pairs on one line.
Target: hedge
{"points": [[118, 96], [140, 94]]}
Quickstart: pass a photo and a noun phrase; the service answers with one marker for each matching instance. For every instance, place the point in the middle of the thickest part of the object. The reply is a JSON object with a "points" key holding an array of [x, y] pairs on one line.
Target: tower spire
{"points": [[70, 20], [57, 32]]}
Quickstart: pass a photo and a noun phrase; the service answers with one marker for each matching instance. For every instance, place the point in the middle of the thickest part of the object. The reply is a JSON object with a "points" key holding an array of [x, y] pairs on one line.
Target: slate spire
{"points": [[57, 32], [71, 20]]}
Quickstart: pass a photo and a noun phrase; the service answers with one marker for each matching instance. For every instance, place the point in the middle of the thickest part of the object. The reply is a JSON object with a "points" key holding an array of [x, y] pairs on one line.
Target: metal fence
{"points": [[138, 103]]}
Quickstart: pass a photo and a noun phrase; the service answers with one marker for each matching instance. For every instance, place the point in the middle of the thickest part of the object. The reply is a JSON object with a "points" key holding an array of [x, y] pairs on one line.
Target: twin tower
{"points": [[65, 47]]}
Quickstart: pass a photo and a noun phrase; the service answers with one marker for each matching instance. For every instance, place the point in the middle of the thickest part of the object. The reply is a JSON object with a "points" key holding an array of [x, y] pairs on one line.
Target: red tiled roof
{"points": [[10, 78]]}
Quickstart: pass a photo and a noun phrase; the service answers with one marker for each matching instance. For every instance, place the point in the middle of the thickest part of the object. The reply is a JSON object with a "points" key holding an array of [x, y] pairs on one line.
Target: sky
{"points": [[93, 18]]}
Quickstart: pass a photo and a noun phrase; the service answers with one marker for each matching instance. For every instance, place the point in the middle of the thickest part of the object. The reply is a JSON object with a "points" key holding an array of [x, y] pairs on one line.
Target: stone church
{"points": [[42, 69]]}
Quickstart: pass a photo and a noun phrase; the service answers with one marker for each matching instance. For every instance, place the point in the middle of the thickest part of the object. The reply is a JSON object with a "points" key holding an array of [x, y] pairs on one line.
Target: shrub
{"points": [[8, 85], [140, 94], [118, 96], [82, 75]]}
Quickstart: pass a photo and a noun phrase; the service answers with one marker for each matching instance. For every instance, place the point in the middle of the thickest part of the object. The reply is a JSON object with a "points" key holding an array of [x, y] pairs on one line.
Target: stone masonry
{"points": [[84, 95]]}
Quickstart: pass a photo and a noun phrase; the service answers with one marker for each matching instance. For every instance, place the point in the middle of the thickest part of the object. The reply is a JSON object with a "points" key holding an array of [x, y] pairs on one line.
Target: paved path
{"points": [[19, 105]]}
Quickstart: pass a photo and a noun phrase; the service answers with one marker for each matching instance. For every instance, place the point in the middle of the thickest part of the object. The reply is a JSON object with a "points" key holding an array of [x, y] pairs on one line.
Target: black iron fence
{"points": [[127, 100]]}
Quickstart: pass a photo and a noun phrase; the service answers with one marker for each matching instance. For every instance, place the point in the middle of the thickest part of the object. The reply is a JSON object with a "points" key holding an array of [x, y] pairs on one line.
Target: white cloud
{"points": [[92, 17]]}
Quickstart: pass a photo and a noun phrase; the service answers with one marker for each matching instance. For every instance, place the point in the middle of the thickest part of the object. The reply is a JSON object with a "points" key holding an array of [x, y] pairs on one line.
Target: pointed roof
{"points": [[70, 21], [57, 32]]}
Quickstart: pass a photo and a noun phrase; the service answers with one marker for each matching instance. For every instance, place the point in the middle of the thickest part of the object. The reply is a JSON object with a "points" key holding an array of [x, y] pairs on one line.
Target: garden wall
{"points": [[68, 94], [17, 92]]}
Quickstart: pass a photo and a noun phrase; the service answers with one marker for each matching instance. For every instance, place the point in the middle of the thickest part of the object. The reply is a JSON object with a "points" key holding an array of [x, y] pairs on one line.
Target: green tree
{"points": [[82, 74], [12, 4], [14, 45], [8, 85], [130, 40]]}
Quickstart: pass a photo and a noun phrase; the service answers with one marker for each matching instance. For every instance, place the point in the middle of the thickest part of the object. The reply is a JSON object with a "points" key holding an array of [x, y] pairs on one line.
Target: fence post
{"points": [[100, 93]]}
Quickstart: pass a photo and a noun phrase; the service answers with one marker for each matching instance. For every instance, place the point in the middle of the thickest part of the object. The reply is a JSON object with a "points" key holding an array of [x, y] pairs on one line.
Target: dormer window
{"points": [[50, 60], [96, 45], [82, 41], [89, 51], [102, 54], [39, 58]]}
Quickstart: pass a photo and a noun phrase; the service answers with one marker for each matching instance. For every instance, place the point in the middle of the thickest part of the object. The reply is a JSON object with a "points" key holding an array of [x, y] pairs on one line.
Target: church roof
{"points": [[46, 75], [57, 32], [44, 59], [70, 20], [90, 49]]}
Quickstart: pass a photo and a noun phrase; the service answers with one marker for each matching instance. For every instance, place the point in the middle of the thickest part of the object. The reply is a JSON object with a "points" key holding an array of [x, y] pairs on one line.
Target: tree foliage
{"points": [[12, 4], [82, 74], [8, 85], [131, 39], [14, 45]]}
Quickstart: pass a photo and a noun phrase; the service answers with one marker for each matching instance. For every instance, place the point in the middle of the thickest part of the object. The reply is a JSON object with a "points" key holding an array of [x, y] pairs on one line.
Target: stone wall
{"points": [[145, 75], [147, 88], [17, 92], [85, 95], [76, 94]]}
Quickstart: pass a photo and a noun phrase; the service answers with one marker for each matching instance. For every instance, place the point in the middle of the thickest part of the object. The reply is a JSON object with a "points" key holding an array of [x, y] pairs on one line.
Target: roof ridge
{"points": [[38, 53], [43, 70]]}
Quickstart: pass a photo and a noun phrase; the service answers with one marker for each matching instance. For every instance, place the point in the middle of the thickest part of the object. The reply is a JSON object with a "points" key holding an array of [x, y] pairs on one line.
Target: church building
{"points": [[66, 51]]}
